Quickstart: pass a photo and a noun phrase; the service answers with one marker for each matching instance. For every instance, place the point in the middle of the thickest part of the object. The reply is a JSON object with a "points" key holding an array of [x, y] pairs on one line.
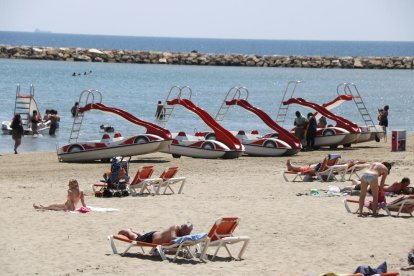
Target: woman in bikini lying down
{"points": [[73, 198]]}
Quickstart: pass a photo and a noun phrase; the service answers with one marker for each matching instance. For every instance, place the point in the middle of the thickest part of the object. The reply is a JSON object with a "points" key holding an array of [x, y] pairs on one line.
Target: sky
{"points": [[367, 20]]}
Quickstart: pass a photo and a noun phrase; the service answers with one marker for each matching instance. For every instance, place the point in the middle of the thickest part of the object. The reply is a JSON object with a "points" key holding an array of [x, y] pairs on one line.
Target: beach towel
{"points": [[193, 237], [88, 209], [334, 156]]}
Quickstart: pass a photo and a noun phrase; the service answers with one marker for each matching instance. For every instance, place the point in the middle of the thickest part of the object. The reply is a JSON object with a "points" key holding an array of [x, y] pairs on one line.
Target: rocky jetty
{"points": [[195, 58]]}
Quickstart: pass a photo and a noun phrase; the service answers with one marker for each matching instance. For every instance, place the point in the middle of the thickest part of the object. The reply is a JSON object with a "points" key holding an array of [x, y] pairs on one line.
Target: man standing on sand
{"points": [[383, 119], [159, 237], [299, 123]]}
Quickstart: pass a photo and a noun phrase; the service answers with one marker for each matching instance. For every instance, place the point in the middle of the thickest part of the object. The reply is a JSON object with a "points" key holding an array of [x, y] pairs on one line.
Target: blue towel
{"points": [[333, 156], [193, 237], [367, 270]]}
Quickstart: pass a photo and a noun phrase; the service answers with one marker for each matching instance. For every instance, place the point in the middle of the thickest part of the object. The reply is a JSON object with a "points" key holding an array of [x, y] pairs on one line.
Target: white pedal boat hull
{"points": [[198, 147], [98, 150]]}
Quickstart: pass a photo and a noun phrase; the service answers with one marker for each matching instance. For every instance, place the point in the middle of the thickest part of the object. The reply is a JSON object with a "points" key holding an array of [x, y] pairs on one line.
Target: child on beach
{"points": [[73, 198]]}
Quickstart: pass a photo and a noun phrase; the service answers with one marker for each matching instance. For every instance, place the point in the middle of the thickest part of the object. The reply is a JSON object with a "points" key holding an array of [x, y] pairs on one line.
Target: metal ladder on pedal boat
{"points": [[288, 94], [237, 95], [22, 105], [351, 89], [168, 110], [86, 97]]}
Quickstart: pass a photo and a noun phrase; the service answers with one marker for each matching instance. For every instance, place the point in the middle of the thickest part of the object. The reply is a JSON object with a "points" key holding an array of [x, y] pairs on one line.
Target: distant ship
{"points": [[42, 31]]}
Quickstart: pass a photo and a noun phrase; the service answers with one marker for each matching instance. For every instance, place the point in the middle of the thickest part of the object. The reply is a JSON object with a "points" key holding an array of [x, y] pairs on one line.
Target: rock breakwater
{"points": [[195, 58]]}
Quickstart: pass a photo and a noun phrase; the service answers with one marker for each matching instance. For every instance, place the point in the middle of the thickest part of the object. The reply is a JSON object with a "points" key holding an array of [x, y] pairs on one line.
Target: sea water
{"points": [[136, 88], [203, 45]]}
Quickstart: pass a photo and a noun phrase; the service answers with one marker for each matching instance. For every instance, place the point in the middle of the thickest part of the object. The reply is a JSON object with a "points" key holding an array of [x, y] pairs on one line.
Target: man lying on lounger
{"points": [[159, 237]]}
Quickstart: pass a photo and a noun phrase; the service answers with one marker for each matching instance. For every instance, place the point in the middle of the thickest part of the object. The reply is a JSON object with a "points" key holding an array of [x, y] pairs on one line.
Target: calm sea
{"points": [[137, 87], [240, 46]]}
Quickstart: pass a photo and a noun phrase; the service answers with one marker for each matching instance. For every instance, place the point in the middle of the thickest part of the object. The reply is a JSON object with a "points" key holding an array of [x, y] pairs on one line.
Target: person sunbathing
{"points": [[302, 169], [159, 237], [73, 198], [400, 187], [312, 167], [395, 188]]}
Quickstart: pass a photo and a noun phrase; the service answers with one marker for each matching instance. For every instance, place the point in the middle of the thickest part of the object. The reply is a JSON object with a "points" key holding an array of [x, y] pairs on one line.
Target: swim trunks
{"points": [[369, 177], [305, 169], [147, 237]]}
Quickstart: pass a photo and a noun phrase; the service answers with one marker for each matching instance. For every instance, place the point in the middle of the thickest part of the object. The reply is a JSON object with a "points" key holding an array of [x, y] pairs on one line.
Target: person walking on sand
{"points": [[370, 178], [17, 131], [73, 198], [159, 237]]}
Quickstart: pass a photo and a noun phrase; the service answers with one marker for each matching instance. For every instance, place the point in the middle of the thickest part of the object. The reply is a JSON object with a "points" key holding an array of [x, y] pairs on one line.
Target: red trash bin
{"points": [[398, 139]]}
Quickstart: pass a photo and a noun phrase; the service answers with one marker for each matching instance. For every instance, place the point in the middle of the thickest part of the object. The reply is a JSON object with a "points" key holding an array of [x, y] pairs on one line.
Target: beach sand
{"points": [[290, 235]]}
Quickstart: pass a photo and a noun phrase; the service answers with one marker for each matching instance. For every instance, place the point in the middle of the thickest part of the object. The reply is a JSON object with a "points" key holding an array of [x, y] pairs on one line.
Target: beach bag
{"points": [[307, 178], [106, 193]]}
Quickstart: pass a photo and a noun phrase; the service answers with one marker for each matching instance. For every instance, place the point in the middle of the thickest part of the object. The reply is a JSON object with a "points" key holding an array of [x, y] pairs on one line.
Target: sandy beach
{"points": [[290, 234]]}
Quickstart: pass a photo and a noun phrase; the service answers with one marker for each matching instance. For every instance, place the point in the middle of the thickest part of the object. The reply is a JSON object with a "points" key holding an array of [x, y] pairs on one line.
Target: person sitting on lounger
{"points": [[74, 197], [159, 237]]}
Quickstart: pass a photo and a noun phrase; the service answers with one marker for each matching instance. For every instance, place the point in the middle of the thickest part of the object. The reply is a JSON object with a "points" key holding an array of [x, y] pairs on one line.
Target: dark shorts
{"points": [[147, 237]]}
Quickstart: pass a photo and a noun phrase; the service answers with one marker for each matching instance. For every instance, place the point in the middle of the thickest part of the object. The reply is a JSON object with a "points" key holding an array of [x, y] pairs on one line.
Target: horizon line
{"points": [[207, 38]]}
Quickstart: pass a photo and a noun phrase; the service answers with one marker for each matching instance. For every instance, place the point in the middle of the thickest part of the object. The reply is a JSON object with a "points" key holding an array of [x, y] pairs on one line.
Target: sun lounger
{"points": [[182, 246], [142, 181], [131, 243], [221, 235], [167, 181], [354, 168], [325, 172], [401, 205]]}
